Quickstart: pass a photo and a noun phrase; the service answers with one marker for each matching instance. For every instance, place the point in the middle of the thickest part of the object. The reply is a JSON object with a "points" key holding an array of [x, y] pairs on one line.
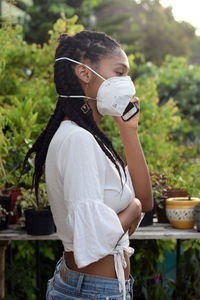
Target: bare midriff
{"points": [[104, 267]]}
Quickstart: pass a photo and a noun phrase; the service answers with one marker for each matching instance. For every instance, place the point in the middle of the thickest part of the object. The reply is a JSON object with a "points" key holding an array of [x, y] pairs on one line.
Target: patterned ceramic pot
{"points": [[180, 211]]}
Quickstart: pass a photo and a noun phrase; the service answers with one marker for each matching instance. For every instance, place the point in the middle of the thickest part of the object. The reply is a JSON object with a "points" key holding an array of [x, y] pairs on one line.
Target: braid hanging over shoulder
{"points": [[84, 45]]}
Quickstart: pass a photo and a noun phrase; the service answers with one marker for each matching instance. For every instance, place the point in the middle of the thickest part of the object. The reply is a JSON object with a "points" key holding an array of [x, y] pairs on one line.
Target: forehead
{"points": [[116, 59]]}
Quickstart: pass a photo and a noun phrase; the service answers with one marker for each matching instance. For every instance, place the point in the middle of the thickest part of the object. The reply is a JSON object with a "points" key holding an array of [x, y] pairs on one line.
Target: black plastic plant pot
{"points": [[148, 219], [197, 216], [5, 203], [39, 222], [161, 212]]}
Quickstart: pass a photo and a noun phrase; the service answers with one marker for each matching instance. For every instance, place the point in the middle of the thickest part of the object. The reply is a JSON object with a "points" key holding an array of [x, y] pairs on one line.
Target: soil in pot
{"points": [[39, 222], [5, 203]]}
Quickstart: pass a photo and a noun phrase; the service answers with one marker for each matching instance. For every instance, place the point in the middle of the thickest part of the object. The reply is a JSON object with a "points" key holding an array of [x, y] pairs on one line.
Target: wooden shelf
{"points": [[155, 231]]}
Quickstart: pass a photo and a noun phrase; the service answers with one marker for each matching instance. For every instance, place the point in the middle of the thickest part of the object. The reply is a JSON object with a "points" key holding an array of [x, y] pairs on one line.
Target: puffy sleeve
{"points": [[95, 227], [96, 231]]}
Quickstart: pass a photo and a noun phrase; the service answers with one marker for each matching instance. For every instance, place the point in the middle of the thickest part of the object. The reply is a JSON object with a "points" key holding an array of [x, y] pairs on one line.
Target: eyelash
{"points": [[120, 73]]}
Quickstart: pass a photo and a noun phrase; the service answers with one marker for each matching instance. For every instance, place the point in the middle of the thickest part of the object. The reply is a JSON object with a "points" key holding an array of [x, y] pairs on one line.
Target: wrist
{"points": [[130, 131]]}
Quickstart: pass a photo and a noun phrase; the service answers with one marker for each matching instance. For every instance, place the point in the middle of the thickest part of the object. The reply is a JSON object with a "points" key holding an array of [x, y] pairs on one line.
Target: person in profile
{"points": [[96, 201]]}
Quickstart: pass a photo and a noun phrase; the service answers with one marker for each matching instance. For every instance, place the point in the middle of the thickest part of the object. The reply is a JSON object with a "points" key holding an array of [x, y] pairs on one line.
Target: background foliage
{"points": [[169, 128], [141, 26], [145, 26]]}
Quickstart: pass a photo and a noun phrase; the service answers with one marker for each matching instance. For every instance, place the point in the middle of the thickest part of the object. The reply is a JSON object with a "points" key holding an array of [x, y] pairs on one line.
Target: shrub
{"points": [[28, 97]]}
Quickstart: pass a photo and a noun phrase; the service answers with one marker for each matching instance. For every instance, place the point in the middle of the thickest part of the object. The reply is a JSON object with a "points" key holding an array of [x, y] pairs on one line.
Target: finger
{"points": [[136, 100]]}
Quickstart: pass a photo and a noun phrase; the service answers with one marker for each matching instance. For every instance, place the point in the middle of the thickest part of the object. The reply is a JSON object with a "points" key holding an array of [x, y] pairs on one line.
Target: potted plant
{"points": [[180, 210], [160, 187], [177, 186], [7, 203], [36, 215], [12, 192], [15, 192], [5, 209], [17, 125]]}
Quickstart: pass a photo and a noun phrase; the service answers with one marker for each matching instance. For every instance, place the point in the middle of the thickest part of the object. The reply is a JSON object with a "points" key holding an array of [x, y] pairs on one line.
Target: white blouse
{"points": [[85, 194]]}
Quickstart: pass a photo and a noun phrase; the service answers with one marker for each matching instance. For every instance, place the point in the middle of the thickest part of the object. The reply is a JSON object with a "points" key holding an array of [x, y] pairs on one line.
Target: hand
{"points": [[132, 229], [135, 224], [131, 215], [133, 122]]}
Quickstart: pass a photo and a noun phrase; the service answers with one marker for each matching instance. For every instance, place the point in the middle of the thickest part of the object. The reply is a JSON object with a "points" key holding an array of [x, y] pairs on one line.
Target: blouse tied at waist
{"points": [[120, 263], [87, 224]]}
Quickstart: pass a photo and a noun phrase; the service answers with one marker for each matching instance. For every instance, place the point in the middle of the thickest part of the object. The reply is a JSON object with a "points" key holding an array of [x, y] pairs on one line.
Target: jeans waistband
{"points": [[87, 281]]}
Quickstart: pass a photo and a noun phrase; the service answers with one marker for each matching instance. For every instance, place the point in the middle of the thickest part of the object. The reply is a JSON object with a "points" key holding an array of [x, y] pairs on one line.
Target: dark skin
{"points": [[117, 65]]}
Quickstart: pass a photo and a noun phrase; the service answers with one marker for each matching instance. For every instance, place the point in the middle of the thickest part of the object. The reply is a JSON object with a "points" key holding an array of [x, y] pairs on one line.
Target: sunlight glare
{"points": [[185, 10]]}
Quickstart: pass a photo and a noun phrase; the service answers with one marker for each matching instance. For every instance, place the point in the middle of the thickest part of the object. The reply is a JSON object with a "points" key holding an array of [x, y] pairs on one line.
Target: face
{"points": [[111, 66]]}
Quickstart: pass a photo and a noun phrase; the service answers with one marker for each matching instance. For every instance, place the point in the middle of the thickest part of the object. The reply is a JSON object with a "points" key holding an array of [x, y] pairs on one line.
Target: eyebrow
{"points": [[123, 65]]}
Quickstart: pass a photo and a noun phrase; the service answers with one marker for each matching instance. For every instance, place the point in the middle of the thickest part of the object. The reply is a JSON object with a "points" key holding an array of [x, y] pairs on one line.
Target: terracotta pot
{"points": [[172, 193], [180, 211], [14, 192]]}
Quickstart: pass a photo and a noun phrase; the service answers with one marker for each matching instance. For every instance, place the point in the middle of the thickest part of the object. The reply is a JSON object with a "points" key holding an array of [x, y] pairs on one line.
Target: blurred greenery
{"points": [[145, 26], [28, 97], [141, 26], [176, 78], [45, 13], [21, 268], [168, 130]]}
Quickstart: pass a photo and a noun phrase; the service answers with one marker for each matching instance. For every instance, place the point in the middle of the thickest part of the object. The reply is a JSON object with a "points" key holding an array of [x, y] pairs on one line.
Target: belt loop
{"points": [[80, 281], [57, 268], [60, 260], [131, 285]]}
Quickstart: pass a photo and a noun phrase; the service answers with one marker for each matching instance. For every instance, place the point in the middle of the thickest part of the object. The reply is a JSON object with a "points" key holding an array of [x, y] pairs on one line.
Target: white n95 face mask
{"points": [[114, 94]]}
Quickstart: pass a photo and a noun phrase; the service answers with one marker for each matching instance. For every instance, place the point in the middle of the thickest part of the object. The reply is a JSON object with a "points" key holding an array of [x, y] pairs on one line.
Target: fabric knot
{"points": [[120, 265]]}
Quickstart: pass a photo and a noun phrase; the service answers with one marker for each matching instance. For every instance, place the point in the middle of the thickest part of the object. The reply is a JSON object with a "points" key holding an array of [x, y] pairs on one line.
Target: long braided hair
{"points": [[84, 45]]}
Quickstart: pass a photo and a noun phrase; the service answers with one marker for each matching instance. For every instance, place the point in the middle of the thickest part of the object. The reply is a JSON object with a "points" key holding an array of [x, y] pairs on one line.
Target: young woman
{"points": [[91, 193]]}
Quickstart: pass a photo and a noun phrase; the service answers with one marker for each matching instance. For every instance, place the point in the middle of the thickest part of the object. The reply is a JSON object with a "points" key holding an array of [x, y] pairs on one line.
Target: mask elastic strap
{"points": [[85, 107], [79, 63], [77, 96]]}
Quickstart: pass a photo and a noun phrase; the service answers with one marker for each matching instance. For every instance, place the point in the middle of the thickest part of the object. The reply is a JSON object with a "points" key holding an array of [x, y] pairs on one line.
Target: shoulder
{"points": [[80, 154], [71, 139], [74, 135], [70, 133]]}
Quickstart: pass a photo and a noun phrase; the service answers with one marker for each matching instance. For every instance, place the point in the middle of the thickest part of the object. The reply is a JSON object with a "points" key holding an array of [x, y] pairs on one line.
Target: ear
{"points": [[83, 74]]}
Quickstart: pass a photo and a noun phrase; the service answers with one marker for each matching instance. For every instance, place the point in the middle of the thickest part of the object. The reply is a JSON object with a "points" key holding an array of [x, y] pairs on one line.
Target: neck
{"points": [[96, 115]]}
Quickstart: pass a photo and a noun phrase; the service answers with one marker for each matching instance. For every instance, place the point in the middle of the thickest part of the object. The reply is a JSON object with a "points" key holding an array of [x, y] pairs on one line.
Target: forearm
{"points": [[131, 214], [137, 167]]}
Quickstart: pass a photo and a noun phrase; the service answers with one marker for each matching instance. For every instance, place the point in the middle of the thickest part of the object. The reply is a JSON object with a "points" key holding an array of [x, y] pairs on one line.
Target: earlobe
{"points": [[82, 73]]}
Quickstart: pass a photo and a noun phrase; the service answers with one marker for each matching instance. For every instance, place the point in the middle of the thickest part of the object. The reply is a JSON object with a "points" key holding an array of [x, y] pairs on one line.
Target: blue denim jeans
{"points": [[84, 286]]}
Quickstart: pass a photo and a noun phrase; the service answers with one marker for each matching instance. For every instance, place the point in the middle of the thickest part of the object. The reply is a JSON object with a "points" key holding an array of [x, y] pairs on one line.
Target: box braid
{"points": [[84, 45]]}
